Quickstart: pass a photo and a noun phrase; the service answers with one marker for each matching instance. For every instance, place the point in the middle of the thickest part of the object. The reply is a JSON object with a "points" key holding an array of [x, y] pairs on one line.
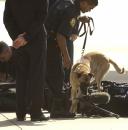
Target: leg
{"points": [[73, 98], [21, 62], [100, 74], [37, 54], [75, 93], [55, 73], [55, 78], [55, 81]]}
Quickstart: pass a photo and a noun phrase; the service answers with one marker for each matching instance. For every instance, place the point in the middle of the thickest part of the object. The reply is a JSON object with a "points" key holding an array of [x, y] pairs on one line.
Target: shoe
{"points": [[21, 118], [40, 118], [58, 110]]}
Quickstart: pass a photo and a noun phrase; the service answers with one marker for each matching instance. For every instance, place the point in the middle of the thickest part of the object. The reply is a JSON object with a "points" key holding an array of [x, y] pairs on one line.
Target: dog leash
{"points": [[87, 28]]}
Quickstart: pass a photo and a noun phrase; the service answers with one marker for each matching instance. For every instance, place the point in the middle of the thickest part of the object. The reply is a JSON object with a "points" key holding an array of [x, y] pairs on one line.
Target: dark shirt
{"points": [[25, 16], [63, 18]]}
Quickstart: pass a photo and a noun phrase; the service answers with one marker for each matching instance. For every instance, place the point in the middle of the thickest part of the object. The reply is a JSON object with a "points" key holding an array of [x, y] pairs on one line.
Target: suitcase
{"points": [[119, 97]]}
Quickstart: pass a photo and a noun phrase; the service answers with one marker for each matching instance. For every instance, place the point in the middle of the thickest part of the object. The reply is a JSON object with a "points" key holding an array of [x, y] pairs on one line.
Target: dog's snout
{"points": [[84, 88]]}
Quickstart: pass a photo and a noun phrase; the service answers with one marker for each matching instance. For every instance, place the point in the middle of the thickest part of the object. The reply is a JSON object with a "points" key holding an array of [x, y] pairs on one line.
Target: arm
{"points": [[61, 40], [63, 33], [75, 29], [35, 27], [75, 32], [37, 24], [9, 22]]}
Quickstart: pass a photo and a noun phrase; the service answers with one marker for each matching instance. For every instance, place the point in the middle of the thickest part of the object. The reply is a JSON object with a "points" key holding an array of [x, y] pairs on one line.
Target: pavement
{"points": [[8, 122]]}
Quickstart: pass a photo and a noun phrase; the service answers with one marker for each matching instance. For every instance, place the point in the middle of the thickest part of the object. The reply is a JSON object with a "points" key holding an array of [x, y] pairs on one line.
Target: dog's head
{"points": [[84, 78], [83, 75]]}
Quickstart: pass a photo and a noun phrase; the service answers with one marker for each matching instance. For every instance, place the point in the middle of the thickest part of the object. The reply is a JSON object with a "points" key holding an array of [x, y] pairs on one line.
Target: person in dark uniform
{"points": [[60, 25], [70, 47], [24, 21]]}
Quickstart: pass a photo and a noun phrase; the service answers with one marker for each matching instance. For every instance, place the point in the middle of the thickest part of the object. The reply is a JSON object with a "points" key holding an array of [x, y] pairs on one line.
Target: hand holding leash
{"points": [[84, 19], [73, 37], [88, 24]]}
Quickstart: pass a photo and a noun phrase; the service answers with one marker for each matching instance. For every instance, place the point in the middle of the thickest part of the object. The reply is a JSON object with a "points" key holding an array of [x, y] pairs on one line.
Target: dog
{"points": [[93, 64]]}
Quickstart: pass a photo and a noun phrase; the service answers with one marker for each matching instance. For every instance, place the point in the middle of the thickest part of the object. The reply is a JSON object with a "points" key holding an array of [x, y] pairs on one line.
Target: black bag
{"points": [[8, 100], [114, 88], [119, 97]]}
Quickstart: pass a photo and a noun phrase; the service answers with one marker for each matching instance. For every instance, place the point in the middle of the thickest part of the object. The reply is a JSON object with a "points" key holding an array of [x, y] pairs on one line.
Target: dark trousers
{"points": [[55, 72], [30, 72], [71, 53], [55, 81]]}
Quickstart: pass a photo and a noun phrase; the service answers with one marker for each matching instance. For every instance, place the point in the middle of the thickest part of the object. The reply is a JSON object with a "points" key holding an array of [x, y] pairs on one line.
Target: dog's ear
{"points": [[90, 75]]}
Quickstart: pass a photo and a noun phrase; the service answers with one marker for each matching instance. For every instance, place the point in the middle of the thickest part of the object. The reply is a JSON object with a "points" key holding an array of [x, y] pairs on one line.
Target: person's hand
{"points": [[73, 37], [67, 62], [84, 19], [20, 41]]}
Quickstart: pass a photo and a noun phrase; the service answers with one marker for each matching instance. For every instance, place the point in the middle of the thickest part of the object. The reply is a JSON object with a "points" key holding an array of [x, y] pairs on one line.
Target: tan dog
{"points": [[92, 64]]}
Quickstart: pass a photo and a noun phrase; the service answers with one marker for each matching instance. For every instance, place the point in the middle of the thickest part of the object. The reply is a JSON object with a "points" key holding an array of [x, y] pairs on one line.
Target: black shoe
{"points": [[40, 118], [21, 118]]}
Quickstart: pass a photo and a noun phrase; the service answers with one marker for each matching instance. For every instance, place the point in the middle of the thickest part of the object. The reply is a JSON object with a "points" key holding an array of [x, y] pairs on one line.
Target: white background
{"points": [[111, 31]]}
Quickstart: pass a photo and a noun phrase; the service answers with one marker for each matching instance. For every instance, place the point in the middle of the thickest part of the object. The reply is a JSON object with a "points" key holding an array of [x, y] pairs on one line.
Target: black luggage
{"points": [[7, 96], [119, 97]]}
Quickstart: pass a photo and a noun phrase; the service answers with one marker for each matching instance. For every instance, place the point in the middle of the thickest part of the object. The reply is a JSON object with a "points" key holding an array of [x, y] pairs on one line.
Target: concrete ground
{"points": [[8, 122]]}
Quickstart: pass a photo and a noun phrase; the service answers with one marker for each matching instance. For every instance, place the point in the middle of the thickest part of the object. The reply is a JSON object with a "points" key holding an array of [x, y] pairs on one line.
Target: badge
{"points": [[73, 22]]}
